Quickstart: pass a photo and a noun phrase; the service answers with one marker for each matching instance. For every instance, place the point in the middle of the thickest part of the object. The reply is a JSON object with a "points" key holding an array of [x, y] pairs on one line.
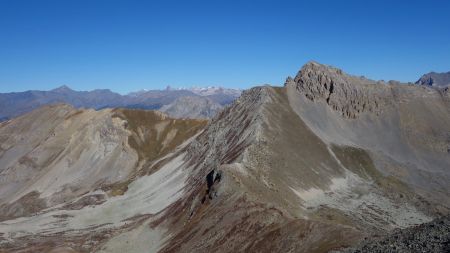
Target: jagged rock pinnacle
{"points": [[347, 94]]}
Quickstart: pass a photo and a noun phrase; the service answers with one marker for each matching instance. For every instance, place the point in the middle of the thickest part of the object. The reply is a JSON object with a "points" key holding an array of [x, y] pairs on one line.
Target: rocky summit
{"points": [[435, 79], [327, 162]]}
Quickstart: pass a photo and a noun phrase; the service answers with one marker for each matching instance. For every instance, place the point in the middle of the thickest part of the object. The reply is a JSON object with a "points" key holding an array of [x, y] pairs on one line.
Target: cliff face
{"points": [[346, 94], [352, 95]]}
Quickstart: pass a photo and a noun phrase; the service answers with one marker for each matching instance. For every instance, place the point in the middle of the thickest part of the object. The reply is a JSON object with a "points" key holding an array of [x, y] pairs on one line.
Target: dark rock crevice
{"points": [[212, 179], [330, 91]]}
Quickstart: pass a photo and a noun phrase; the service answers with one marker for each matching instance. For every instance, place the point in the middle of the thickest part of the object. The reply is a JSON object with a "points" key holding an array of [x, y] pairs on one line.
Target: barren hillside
{"points": [[317, 165]]}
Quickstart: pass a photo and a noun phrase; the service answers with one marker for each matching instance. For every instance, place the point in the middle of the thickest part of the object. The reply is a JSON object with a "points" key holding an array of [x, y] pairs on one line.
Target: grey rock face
{"points": [[353, 95], [347, 94], [435, 79]]}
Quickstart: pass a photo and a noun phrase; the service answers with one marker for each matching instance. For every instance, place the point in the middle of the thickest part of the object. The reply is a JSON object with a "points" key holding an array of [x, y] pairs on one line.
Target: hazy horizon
{"points": [[132, 91]]}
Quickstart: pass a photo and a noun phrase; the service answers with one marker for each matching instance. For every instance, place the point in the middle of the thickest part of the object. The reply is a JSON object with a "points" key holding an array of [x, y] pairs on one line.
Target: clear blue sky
{"points": [[131, 45]]}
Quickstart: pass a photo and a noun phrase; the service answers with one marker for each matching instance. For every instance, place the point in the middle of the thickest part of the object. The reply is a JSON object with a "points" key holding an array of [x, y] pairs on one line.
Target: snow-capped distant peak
{"points": [[137, 93], [214, 90], [201, 91]]}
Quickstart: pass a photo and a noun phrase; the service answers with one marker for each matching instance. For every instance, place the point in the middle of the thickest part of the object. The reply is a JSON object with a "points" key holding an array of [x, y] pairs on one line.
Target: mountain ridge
{"points": [[16, 103], [301, 167]]}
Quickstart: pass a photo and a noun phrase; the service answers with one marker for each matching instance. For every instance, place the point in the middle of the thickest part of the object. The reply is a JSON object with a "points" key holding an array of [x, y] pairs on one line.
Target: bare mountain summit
{"points": [[435, 79]]}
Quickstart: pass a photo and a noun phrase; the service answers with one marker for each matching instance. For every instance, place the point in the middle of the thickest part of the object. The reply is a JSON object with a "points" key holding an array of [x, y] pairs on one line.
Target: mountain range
{"points": [[17, 103], [327, 162]]}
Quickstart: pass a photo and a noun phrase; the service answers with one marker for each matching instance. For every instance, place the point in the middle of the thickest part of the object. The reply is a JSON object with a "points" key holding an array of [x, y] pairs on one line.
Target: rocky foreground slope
{"points": [[432, 236], [57, 162], [317, 165]]}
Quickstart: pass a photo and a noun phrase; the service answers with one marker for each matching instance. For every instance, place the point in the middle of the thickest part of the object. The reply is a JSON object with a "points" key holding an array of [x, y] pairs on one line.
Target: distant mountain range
{"points": [[195, 102], [192, 107], [17, 103]]}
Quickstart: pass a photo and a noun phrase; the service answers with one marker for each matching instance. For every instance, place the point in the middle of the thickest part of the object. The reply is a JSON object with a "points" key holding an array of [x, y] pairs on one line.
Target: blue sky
{"points": [[132, 45]]}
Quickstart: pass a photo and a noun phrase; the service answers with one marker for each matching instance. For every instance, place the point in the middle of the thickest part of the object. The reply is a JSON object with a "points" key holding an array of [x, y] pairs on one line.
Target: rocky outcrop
{"points": [[347, 94], [353, 96], [434, 79]]}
